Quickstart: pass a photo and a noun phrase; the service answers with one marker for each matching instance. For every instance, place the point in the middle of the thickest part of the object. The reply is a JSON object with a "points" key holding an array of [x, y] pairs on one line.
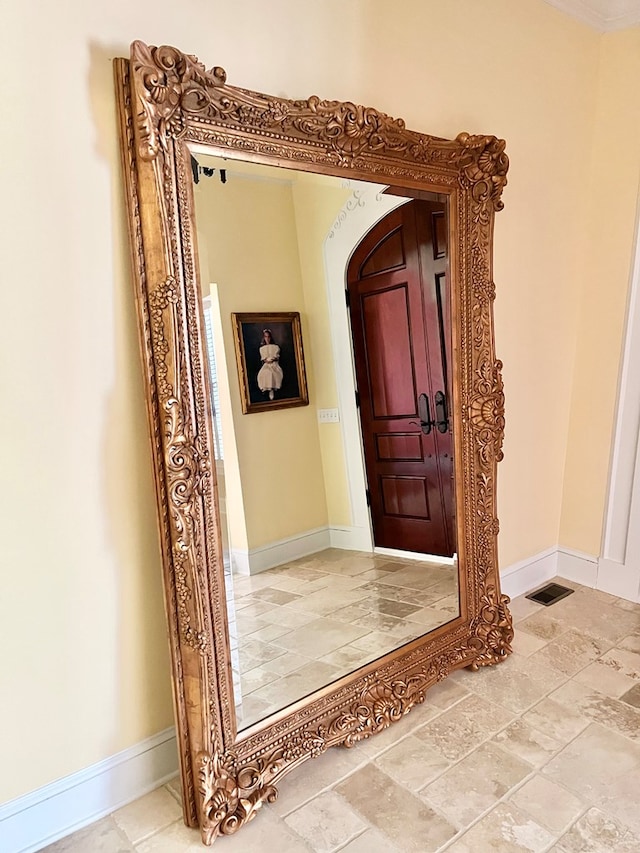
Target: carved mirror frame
{"points": [[166, 100]]}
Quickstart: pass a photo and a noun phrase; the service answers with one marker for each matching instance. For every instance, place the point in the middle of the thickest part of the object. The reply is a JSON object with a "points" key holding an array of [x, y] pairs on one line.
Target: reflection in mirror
{"points": [[338, 516]]}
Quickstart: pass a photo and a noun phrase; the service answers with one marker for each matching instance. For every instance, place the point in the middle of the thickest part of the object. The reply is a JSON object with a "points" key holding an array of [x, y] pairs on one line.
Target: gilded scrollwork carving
{"points": [[174, 86], [493, 629], [486, 410], [171, 99], [484, 165], [230, 797]]}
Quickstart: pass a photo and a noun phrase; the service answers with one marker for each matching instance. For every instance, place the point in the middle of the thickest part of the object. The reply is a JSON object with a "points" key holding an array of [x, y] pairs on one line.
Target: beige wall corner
{"points": [[607, 254]]}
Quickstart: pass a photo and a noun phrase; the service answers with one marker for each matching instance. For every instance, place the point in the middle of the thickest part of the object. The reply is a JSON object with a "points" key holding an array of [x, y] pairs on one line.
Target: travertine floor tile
{"points": [[276, 596], [589, 613], [412, 762], [504, 830], [417, 717], [395, 812], [288, 618], [526, 644], [613, 674], [572, 651], [612, 713], [372, 841], [381, 622], [556, 720], [528, 743], [603, 768], [632, 642], [326, 822], [320, 637], [270, 632], [476, 783], [549, 804], [316, 776], [522, 607], [323, 602], [251, 709], [147, 815], [101, 837], [286, 664], [516, 684], [597, 832], [266, 832], [513, 717], [446, 694], [301, 682], [542, 624], [463, 727], [253, 679], [347, 658], [632, 697], [174, 786]]}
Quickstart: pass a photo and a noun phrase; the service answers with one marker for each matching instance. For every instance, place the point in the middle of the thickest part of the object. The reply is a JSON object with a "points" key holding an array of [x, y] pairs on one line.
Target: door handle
{"points": [[442, 418], [424, 413]]}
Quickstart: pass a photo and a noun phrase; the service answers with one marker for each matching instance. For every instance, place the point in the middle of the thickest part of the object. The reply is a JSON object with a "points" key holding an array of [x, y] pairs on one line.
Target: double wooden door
{"points": [[400, 320]]}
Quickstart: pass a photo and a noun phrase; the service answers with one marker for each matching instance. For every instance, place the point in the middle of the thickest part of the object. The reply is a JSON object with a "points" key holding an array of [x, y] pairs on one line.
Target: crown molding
{"points": [[603, 15]]}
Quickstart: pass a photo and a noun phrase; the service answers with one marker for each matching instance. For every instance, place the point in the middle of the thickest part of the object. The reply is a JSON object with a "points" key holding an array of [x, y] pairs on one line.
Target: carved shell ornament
{"points": [[485, 165], [168, 99]]}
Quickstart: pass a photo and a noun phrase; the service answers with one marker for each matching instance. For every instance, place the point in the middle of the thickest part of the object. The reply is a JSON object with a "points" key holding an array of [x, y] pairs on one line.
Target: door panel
{"points": [[405, 496], [399, 447], [387, 341], [387, 255], [400, 316]]}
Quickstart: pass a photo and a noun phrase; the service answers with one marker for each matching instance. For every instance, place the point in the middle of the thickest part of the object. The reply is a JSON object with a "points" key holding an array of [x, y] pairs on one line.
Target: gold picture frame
{"points": [[270, 360]]}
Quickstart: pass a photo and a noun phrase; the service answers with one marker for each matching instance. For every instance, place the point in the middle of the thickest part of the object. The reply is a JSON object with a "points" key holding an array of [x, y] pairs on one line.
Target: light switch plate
{"points": [[328, 416]]}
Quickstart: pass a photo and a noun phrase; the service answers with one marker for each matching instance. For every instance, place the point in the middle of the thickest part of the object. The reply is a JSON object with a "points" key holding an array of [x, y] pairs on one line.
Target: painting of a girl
{"points": [[270, 361], [270, 375]]}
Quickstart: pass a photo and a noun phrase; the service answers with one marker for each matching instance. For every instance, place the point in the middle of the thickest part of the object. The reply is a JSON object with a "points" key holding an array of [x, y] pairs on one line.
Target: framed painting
{"points": [[270, 361]]}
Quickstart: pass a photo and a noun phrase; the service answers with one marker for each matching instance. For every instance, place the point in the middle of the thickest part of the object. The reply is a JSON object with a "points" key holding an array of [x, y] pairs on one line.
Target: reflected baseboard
{"points": [[256, 560], [436, 559]]}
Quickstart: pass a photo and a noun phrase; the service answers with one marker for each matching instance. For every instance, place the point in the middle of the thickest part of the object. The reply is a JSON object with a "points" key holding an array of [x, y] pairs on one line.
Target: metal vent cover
{"points": [[549, 594]]}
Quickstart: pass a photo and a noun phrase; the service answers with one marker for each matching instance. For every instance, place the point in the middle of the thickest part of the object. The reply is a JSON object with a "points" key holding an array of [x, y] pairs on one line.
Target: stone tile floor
{"points": [[302, 625], [541, 754]]}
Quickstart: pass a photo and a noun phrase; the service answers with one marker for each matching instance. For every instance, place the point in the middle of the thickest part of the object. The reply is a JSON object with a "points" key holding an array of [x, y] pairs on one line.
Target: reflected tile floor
{"points": [[302, 625], [540, 754]]}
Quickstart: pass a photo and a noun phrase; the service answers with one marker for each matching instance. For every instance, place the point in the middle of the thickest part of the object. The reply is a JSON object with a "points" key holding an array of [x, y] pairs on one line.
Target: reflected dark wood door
{"points": [[400, 320]]}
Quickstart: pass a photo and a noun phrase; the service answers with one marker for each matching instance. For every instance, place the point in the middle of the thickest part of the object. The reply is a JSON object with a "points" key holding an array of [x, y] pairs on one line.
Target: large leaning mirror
{"points": [[315, 297]]}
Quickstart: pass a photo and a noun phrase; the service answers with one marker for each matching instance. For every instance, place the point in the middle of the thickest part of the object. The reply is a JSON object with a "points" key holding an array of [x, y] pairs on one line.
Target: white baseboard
{"points": [[36, 820], [530, 573], [257, 560], [577, 566], [265, 557], [415, 555], [558, 561], [351, 538]]}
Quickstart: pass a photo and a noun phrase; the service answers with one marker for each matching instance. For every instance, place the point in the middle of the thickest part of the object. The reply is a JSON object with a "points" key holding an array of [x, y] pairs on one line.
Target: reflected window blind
{"points": [[215, 393]]}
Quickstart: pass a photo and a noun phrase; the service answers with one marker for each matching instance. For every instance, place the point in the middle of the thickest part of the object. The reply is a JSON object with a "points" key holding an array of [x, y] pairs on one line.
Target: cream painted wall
{"points": [[316, 206], [613, 185], [85, 669], [249, 230]]}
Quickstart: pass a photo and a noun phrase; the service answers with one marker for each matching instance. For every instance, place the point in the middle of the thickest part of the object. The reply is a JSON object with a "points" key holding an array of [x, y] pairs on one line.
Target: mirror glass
{"points": [[328, 327]]}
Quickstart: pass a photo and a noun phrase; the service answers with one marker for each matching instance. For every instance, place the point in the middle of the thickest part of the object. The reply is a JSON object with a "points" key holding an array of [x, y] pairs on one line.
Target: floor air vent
{"points": [[549, 594]]}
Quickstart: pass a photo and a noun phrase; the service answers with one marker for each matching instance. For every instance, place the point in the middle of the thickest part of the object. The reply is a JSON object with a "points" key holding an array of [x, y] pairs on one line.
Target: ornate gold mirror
{"points": [[314, 291]]}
